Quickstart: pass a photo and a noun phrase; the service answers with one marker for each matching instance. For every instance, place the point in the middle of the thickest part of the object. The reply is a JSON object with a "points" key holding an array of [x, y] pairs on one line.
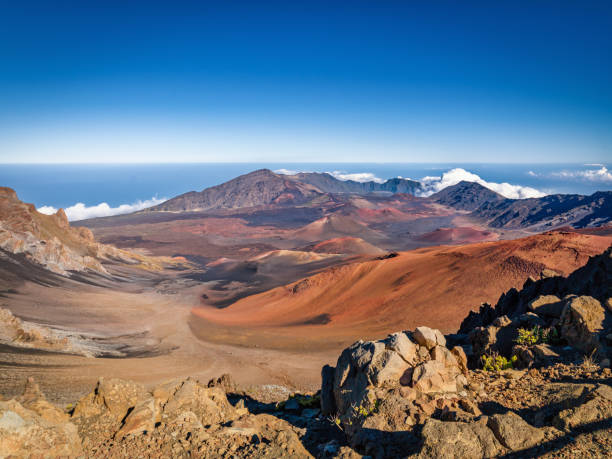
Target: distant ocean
{"points": [[133, 186]]}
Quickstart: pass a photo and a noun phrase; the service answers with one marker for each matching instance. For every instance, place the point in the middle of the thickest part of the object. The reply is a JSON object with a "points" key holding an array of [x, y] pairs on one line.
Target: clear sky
{"points": [[127, 81]]}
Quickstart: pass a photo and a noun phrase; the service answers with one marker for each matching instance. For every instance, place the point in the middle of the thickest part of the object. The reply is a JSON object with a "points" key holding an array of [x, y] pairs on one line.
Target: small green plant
{"points": [[364, 412], [496, 362], [528, 337], [536, 335]]}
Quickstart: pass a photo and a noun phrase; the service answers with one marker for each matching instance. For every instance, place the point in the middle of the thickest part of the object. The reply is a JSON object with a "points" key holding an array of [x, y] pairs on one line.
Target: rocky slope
{"points": [[551, 211], [258, 188], [413, 394], [50, 241]]}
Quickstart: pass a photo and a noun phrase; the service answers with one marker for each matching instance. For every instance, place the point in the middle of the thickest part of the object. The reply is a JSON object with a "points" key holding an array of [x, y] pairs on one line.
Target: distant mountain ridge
{"points": [[264, 187], [552, 211], [330, 184]]}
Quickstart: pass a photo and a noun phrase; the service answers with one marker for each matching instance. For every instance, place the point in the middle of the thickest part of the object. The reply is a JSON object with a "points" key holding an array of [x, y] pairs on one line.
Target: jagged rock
{"points": [[210, 404], [391, 363], [141, 419], [116, 396], [401, 343], [33, 399], [458, 440], [225, 381], [582, 321], [428, 337], [548, 305], [513, 432], [461, 359], [30, 426]]}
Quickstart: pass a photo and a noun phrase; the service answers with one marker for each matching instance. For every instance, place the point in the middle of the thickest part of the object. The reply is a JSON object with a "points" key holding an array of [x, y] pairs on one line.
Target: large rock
{"points": [[114, 396], [547, 305], [513, 432], [582, 322], [458, 440], [595, 407], [428, 337], [209, 404], [366, 368]]}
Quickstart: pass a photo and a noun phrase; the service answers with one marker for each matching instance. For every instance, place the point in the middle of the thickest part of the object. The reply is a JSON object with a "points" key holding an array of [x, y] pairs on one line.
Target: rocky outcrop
{"points": [[50, 241], [388, 385], [178, 418], [416, 361], [32, 427], [552, 314]]}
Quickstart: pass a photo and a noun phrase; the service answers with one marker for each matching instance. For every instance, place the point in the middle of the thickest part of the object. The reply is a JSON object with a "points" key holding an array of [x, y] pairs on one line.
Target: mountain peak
{"points": [[466, 196]]}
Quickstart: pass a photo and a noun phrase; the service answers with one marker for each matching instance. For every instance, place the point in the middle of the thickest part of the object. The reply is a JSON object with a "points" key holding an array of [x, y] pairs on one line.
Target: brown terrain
{"points": [[270, 288], [368, 298]]}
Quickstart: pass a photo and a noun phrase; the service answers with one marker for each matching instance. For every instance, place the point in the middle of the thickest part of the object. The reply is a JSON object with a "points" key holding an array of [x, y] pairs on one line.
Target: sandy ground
{"points": [[160, 323]]}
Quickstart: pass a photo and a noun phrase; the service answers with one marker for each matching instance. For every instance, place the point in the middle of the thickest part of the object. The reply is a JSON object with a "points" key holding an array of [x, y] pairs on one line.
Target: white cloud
{"points": [[357, 177], [593, 175], [452, 177], [81, 212]]}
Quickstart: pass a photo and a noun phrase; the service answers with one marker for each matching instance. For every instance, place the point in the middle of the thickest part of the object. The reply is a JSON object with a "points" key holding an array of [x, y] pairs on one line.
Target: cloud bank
{"points": [[592, 175], [432, 185], [81, 212]]}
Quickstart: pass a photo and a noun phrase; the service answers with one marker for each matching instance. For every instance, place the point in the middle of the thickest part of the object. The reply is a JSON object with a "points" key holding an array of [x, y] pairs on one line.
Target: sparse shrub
{"points": [[364, 412], [588, 362], [537, 335], [496, 362], [528, 337]]}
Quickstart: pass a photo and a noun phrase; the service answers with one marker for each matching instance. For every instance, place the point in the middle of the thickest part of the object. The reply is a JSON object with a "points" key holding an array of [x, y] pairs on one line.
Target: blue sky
{"points": [[522, 81]]}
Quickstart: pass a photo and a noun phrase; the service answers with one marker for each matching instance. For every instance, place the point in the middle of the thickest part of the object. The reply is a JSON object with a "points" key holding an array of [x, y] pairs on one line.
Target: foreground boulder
{"points": [[365, 371]]}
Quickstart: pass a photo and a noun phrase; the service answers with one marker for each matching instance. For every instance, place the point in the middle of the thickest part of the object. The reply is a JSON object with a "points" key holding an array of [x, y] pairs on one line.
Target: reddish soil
{"points": [[462, 234], [346, 245], [435, 286]]}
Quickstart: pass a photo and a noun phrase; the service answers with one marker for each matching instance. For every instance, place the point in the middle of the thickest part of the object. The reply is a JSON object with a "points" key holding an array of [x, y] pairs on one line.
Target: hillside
{"points": [[435, 286], [551, 211], [261, 187], [48, 241]]}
